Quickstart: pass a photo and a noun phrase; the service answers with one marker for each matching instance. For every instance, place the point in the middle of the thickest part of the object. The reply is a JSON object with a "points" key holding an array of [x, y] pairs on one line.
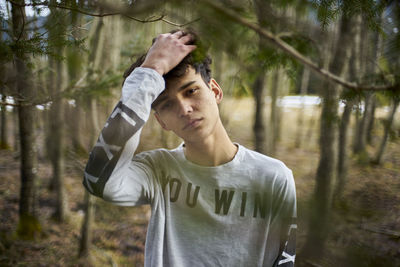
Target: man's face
{"points": [[189, 107]]}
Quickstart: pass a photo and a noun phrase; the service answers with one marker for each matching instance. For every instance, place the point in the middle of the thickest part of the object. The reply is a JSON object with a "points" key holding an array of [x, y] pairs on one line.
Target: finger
{"points": [[191, 47], [187, 38], [178, 34]]}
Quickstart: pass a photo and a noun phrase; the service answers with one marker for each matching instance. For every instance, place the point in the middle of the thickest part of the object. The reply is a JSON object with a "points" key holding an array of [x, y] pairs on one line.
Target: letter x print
{"points": [[288, 258]]}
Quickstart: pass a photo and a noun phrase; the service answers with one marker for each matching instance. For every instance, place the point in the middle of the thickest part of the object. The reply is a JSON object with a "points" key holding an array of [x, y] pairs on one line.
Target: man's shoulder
{"points": [[262, 161], [157, 155], [266, 169]]}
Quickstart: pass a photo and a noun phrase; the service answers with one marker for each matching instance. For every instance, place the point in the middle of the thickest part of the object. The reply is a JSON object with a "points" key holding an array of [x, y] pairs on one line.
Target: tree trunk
{"points": [[28, 225], [342, 154], [86, 236], [3, 139], [85, 242], [300, 116], [3, 131], [388, 124], [273, 120], [377, 51], [361, 139], [354, 66], [259, 128], [259, 120], [16, 139], [319, 219], [57, 148], [75, 70], [371, 121], [56, 123]]}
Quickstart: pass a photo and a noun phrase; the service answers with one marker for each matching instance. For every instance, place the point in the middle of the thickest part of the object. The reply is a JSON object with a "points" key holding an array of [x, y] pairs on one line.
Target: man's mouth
{"points": [[192, 124]]}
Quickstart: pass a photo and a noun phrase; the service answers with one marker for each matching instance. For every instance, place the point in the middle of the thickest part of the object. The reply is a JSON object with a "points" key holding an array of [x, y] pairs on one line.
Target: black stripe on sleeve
{"points": [[120, 127]]}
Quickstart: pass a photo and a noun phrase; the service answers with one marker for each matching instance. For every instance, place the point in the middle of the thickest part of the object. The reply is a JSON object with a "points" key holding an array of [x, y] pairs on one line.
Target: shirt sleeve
{"points": [[110, 173], [288, 226]]}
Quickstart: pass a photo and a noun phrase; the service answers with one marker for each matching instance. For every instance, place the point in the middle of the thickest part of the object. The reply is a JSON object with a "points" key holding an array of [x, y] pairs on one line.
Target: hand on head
{"points": [[168, 51]]}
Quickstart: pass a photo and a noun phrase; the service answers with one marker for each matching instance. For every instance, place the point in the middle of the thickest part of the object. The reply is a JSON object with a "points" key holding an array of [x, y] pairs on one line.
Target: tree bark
{"points": [[371, 121], [57, 147], [4, 138], [259, 118], [342, 154], [75, 70], [259, 128], [319, 218], [361, 138], [300, 116], [56, 123], [388, 124], [28, 225], [3, 131], [353, 68], [85, 242], [274, 114], [86, 233]]}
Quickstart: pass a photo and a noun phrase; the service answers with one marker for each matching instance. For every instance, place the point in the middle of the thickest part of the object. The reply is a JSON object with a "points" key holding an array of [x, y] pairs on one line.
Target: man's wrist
{"points": [[154, 67]]}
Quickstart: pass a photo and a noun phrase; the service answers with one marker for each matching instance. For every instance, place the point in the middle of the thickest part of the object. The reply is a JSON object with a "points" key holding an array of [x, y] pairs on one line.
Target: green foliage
{"points": [[200, 53], [328, 11], [99, 86], [5, 52]]}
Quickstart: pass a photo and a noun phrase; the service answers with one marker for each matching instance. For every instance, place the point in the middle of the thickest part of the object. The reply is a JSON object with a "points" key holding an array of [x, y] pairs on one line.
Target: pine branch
{"points": [[279, 43], [101, 14], [31, 102]]}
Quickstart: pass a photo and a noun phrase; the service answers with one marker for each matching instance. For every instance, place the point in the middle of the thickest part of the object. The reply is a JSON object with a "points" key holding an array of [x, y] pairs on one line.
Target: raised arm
{"points": [[118, 140]]}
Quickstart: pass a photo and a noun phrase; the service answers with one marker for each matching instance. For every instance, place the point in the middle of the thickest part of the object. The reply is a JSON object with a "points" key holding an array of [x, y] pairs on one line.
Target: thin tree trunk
{"points": [[56, 123], [85, 242], [3, 139], [3, 131], [259, 128], [57, 147], [74, 71], [259, 120], [353, 67], [300, 116], [361, 139], [388, 125], [319, 219], [342, 154], [28, 225], [274, 114], [377, 51], [86, 233], [371, 121], [16, 139]]}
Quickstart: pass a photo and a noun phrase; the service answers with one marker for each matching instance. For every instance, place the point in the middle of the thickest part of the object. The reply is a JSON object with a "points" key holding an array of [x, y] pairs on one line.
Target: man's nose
{"points": [[184, 108]]}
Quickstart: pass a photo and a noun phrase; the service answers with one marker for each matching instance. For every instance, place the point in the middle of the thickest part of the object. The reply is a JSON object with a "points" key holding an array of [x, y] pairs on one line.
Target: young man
{"points": [[213, 202]]}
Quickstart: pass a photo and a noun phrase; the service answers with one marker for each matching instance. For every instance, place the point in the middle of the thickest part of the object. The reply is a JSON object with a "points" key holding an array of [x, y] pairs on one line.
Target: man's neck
{"points": [[215, 150]]}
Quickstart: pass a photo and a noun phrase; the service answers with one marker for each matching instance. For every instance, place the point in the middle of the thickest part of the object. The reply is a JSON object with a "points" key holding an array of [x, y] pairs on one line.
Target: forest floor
{"points": [[365, 226]]}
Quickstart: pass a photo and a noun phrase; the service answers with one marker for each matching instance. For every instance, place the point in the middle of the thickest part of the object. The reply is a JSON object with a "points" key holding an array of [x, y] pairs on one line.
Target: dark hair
{"points": [[198, 59]]}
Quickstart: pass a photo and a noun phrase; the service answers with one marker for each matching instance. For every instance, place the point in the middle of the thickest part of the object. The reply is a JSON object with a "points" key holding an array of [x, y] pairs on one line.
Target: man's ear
{"points": [[160, 121], [214, 86]]}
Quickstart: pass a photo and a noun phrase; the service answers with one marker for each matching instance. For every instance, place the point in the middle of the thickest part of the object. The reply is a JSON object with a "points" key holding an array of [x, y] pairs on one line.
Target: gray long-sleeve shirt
{"points": [[241, 213]]}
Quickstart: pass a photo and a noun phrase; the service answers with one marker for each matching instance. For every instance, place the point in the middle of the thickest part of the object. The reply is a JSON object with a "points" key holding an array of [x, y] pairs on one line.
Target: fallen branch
{"points": [[382, 231]]}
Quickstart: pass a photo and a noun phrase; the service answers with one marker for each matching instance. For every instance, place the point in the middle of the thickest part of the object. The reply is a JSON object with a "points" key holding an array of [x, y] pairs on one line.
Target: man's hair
{"points": [[199, 60]]}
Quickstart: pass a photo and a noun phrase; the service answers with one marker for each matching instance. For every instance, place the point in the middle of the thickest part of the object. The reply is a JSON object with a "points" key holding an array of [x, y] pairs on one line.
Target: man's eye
{"points": [[191, 91], [166, 105]]}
